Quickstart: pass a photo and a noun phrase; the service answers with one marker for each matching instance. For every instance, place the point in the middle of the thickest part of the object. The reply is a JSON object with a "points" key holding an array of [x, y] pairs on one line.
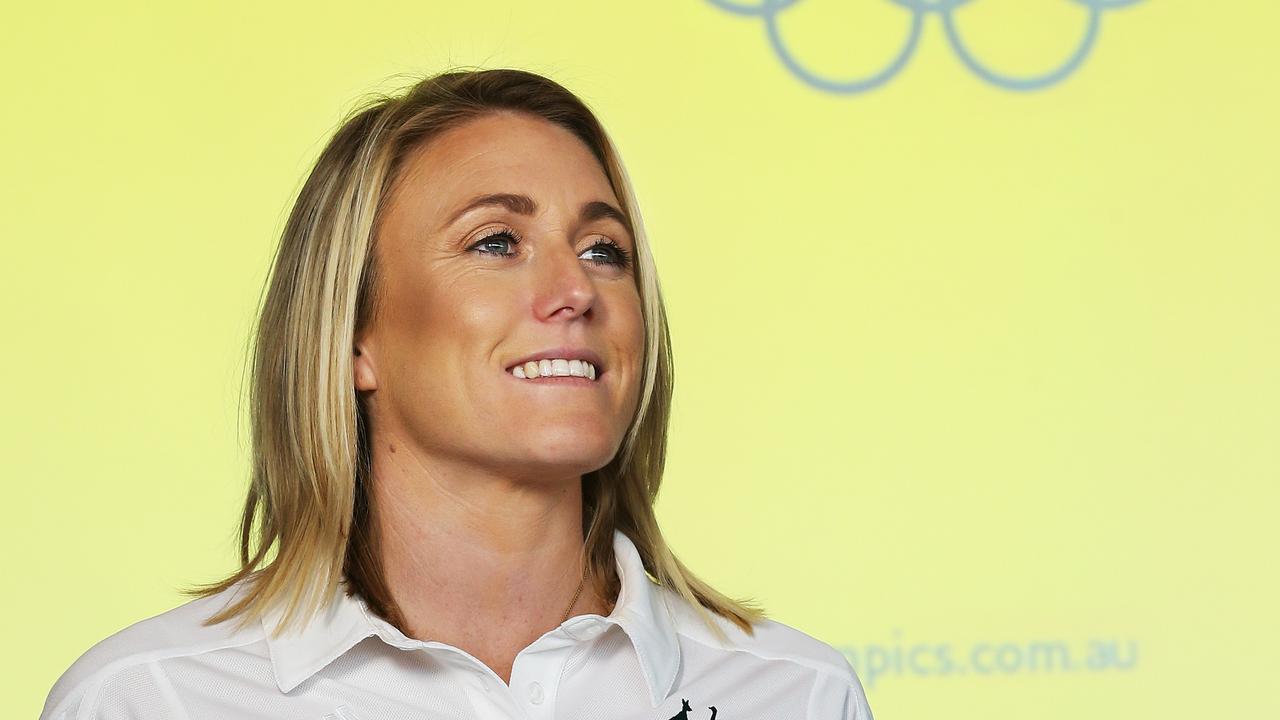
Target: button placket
{"points": [[537, 695], [492, 706], [536, 672]]}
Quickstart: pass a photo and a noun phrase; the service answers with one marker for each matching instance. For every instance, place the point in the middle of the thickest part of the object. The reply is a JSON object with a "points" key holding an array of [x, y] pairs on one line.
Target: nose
{"points": [[563, 288]]}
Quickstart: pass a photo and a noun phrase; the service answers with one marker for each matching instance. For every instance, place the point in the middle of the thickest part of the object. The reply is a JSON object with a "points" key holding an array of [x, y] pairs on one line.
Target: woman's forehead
{"points": [[502, 154], [499, 144]]}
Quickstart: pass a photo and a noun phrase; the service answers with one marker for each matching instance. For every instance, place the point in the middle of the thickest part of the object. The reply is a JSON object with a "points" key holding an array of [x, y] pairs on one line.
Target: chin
{"points": [[570, 451]]}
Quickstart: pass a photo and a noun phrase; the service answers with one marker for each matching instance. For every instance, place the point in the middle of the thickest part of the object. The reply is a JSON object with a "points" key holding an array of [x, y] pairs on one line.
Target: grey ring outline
{"points": [[769, 10]]}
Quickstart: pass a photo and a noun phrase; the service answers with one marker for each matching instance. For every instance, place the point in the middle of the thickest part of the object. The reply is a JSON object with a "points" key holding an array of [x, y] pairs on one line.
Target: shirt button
{"points": [[535, 693]]}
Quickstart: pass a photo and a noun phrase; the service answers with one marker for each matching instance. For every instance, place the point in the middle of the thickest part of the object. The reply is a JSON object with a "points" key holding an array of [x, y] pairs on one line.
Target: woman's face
{"points": [[503, 245]]}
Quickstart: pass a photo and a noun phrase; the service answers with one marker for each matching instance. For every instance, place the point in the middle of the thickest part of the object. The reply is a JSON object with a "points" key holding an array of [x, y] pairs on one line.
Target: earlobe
{"points": [[365, 377]]}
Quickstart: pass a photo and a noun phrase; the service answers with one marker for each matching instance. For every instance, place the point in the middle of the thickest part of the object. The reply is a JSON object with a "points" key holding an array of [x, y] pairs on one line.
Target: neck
{"points": [[484, 562]]}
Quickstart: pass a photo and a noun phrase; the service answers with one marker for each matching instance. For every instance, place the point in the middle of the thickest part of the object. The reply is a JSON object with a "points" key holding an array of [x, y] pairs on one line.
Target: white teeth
{"points": [[555, 367]]}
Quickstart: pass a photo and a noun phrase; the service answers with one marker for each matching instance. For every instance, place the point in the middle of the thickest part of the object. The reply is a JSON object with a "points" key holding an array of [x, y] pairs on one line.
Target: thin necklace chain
{"points": [[574, 601]]}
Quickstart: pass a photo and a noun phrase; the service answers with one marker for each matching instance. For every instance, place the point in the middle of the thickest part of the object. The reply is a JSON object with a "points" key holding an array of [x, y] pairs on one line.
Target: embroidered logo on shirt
{"points": [[685, 710]]}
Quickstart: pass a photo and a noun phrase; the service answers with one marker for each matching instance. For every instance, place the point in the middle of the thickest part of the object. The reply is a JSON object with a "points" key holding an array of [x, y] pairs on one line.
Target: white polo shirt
{"points": [[650, 659]]}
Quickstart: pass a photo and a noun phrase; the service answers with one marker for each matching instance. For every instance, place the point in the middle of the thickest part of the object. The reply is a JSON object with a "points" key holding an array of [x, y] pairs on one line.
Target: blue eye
{"points": [[610, 253], [604, 252], [496, 239]]}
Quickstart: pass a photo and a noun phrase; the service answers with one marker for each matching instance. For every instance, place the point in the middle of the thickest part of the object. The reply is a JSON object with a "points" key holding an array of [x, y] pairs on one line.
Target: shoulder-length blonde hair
{"points": [[308, 519]]}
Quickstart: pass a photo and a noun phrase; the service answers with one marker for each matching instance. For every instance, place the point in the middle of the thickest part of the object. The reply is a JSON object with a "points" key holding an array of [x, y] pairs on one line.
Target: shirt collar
{"points": [[297, 654], [641, 611]]}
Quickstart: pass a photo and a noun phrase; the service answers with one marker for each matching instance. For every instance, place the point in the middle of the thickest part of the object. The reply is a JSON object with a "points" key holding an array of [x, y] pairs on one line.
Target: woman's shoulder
{"points": [[835, 682], [125, 657], [769, 638]]}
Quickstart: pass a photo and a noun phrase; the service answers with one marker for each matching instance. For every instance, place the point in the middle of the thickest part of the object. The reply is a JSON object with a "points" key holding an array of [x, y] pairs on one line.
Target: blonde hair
{"points": [[308, 519]]}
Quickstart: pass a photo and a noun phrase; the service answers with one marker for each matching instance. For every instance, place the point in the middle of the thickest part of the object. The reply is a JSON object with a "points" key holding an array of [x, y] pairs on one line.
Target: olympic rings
{"points": [[769, 10]]}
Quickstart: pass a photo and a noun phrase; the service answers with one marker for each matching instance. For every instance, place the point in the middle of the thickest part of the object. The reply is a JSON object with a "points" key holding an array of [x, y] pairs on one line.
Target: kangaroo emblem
{"points": [[685, 710]]}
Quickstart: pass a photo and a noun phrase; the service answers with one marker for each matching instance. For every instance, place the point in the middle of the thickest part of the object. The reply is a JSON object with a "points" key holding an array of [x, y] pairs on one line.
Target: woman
{"points": [[460, 393]]}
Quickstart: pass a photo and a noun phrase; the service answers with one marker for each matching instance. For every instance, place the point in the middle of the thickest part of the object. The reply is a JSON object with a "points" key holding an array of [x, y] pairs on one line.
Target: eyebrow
{"points": [[525, 205]]}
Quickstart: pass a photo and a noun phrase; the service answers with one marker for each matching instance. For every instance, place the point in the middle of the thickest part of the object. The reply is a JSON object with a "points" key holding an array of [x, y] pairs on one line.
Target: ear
{"points": [[363, 366]]}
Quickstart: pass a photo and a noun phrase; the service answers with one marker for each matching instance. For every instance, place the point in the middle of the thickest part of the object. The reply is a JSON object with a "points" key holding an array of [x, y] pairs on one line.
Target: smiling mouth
{"points": [[556, 369]]}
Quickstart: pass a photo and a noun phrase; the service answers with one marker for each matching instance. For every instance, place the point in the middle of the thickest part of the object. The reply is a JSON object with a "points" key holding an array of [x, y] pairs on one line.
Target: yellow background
{"points": [[956, 365]]}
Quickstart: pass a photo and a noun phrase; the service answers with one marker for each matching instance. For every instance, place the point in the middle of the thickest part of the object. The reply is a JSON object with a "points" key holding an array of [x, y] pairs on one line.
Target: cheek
{"points": [[443, 334], [633, 322], [456, 311], [629, 334], [476, 315]]}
